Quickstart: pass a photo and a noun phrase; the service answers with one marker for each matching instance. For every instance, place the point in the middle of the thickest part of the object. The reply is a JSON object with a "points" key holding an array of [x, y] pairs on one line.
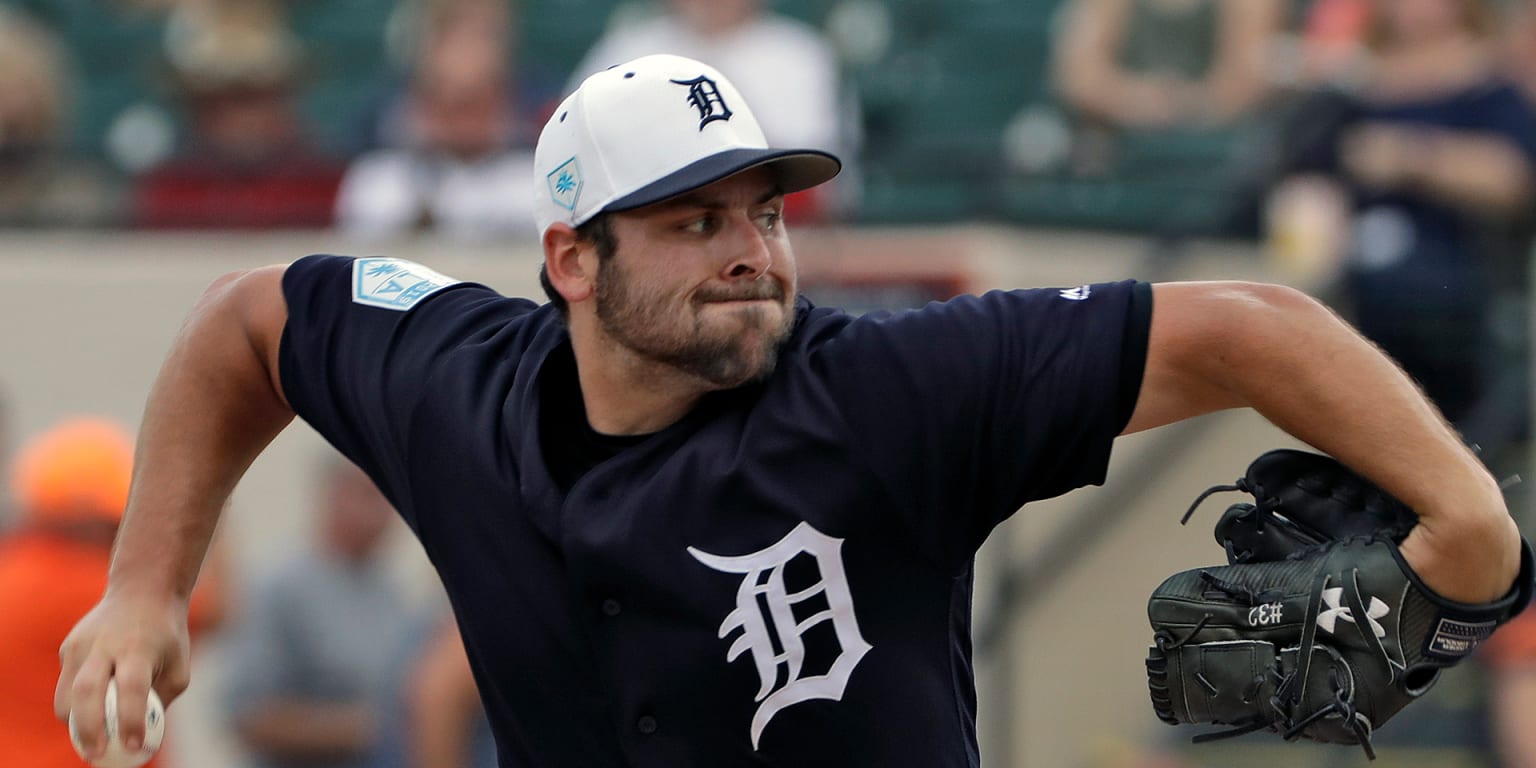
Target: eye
{"points": [[702, 225], [769, 220]]}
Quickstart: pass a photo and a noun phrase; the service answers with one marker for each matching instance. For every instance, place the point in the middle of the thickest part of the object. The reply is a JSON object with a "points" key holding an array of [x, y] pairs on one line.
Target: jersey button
{"points": [[646, 724], [611, 607]]}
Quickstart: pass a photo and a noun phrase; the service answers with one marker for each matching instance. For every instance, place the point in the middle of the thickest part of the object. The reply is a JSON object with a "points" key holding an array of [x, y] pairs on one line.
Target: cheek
{"points": [[787, 269]]}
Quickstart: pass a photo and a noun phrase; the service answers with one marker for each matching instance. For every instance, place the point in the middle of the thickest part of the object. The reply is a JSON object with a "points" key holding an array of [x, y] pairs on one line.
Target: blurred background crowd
{"points": [[1381, 152]]}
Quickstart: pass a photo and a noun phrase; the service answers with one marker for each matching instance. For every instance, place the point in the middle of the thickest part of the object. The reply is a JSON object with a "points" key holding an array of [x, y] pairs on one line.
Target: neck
{"points": [[626, 394]]}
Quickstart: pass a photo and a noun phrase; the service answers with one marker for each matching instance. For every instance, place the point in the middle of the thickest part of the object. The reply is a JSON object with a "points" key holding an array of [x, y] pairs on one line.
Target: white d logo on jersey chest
{"points": [[763, 586]]}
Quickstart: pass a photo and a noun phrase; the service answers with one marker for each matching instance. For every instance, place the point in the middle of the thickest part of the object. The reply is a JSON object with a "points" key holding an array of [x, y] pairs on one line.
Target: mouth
{"points": [[767, 293], [744, 300]]}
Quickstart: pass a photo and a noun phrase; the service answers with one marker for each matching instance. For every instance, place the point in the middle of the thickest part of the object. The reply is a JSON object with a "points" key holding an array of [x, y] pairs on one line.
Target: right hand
{"points": [[139, 640]]}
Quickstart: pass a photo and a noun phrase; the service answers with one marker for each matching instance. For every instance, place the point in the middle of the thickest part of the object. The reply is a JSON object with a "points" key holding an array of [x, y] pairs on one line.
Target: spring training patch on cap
{"points": [[565, 184], [394, 283]]}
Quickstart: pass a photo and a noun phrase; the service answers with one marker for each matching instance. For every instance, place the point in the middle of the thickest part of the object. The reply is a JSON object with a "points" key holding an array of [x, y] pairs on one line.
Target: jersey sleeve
{"points": [[358, 353], [968, 409]]}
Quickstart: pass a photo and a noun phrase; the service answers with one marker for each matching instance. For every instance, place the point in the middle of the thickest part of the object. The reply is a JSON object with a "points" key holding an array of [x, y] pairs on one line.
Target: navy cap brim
{"points": [[796, 169]]}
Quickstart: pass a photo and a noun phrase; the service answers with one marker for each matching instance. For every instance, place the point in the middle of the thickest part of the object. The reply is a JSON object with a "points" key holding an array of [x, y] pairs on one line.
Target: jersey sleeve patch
{"points": [[394, 283]]}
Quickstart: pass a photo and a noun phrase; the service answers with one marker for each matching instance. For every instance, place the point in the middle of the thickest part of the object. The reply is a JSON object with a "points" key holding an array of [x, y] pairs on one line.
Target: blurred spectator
{"points": [[71, 486], [41, 183], [245, 161], [459, 140], [1519, 43], [444, 714], [314, 661], [443, 720], [1511, 657], [787, 70], [1333, 46], [1433, 160], [1154, 64]]}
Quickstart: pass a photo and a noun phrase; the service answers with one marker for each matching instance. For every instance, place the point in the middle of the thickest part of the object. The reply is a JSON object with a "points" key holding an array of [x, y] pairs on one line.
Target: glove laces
{"points": [[1240, 485], [1293, 689]]}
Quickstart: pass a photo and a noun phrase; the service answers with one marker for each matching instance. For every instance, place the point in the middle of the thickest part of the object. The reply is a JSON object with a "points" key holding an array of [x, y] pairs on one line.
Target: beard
{"points": [[645, 321]]}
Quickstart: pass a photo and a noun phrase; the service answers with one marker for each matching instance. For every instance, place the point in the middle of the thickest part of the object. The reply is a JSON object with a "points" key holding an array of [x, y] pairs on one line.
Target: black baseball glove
{"points": [[1317, 628]]}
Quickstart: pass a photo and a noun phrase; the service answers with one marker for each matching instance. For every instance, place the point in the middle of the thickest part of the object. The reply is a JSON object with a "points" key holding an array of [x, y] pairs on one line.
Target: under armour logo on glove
{"points": [[1326, 620]]}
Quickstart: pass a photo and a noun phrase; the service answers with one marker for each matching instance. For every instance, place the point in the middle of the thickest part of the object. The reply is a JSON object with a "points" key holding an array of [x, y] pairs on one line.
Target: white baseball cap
{"points": [[651, 129]]}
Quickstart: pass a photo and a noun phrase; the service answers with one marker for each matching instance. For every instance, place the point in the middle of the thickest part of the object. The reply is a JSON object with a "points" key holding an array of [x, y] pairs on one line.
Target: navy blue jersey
{"points": [[782, 577]]}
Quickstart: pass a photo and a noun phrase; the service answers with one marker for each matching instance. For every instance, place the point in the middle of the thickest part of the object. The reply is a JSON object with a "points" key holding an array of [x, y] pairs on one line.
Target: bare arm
{"points": [[214, 406], [1238, 78], [1090, 77], [1086, 68], [1478, 172], [443, 702], [1224, 345]]}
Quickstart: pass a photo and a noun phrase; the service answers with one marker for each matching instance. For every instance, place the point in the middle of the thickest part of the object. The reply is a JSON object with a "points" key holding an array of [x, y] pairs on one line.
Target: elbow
{"points": [[1281, 299], [1245, 324], [1239, 308], [229, 283]]}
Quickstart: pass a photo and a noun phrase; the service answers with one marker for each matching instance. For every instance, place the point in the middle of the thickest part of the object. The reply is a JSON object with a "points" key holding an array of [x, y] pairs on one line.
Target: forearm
{"points": [[298, 729], [212, 409], [1304, 369], [1480, 173], [1239, 77], [1087, 71], [1300, 366]]}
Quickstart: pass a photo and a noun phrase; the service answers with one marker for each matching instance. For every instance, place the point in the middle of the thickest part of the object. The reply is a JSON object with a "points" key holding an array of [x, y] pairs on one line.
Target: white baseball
{"points": [[117, 756]]}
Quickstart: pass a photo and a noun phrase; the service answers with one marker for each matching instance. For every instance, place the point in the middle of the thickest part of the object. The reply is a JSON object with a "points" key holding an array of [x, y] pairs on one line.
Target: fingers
{"points": [[131, 645], [69, 668], [85, 704], [133, 680]]}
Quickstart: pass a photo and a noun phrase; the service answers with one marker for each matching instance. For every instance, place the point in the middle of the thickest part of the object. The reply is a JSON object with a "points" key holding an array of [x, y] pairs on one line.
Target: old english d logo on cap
{"points": [[704, 96], [650, 129]]}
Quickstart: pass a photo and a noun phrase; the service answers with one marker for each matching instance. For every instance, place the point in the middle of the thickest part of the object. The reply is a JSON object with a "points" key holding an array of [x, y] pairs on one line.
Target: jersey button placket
{"points": [[646, 725]]}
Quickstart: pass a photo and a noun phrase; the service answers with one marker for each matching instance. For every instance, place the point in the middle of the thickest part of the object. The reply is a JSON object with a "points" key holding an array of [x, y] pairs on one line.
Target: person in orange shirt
{"points": [[1510, 659], [70, 485]]}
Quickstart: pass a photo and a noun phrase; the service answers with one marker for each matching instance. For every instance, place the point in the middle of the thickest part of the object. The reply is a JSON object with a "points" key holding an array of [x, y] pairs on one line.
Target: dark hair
{"points": [[598, 230]]}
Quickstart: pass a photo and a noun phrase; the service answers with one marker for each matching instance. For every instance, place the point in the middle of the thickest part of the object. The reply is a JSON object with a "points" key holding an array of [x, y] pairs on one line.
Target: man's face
{"points": [[704, 282]]}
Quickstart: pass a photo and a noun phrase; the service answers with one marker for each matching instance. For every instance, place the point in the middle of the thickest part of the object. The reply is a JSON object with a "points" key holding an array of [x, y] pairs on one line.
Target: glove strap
{"points": [[1363, 624], [1298, 678], [1460, 627]]}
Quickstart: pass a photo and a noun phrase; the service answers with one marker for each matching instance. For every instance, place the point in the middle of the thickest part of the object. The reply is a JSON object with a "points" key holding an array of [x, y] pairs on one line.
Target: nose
{"points": [[750, 254]]}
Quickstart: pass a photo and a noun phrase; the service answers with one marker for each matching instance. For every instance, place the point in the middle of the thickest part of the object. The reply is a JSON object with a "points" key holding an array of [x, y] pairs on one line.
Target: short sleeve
{"points": [[968, 409], [358, 353]]}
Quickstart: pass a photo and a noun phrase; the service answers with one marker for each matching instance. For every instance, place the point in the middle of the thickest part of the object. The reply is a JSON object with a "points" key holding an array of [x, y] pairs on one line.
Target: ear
{"points": [[572, 275]]}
